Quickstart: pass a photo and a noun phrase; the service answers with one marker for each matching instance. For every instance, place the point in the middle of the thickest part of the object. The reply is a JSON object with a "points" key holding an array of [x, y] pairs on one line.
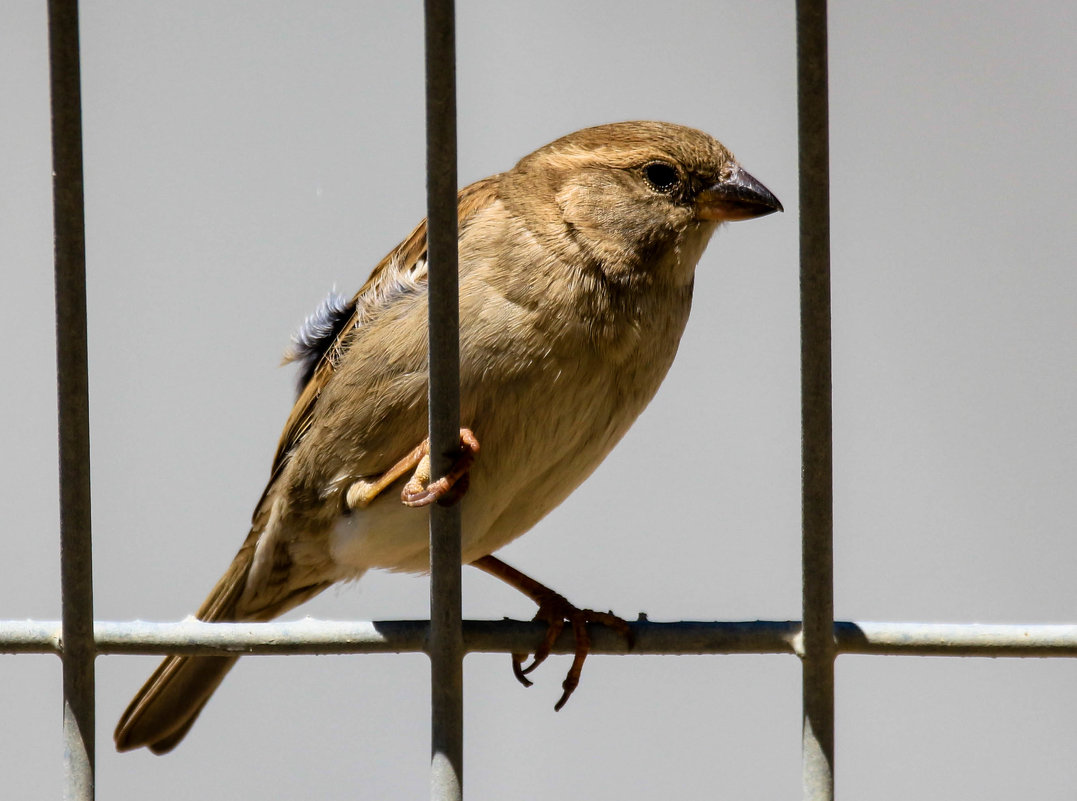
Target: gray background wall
{"points": [[244, 157]]}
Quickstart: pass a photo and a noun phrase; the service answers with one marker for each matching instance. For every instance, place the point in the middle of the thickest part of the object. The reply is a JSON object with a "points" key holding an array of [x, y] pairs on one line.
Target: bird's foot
{"points": [[555, 610], [447, 490]]}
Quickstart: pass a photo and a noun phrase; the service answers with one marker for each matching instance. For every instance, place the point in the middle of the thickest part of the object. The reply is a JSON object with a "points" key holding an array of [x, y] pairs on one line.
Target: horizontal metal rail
{"points": [[511, 636]]}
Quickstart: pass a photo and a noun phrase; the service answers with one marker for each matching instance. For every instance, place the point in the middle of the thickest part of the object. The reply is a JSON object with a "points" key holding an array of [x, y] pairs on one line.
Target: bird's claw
{"points": [[555, 611], [447, 490], [518, 669]]}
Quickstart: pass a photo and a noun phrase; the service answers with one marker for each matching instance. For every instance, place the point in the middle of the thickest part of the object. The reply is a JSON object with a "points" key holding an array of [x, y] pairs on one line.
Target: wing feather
{"points": [[404, 266]]}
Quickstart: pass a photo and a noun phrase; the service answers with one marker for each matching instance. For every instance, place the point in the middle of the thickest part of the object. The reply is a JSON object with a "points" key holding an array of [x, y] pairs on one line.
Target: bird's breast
{"points": [[545, 425]]}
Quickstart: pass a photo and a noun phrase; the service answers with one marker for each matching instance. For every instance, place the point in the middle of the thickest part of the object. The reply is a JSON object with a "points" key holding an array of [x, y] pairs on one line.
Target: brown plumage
{"points": [[576, 272]]}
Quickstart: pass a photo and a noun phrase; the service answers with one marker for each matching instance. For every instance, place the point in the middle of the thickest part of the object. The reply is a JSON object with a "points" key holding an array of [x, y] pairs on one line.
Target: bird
{"points": [[576, 270]]}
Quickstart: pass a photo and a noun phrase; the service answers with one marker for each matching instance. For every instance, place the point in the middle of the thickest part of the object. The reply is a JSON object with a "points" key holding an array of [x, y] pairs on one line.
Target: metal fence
{"points": [[77, 639]]}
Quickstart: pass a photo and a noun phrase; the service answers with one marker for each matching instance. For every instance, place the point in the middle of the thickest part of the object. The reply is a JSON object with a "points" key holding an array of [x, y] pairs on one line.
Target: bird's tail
{"points": [[168, 704]]}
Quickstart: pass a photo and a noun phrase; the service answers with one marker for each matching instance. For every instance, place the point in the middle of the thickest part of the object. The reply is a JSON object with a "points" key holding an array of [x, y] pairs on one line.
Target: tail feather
{"points": [[166, 707], [168, 704], [166, 744]]}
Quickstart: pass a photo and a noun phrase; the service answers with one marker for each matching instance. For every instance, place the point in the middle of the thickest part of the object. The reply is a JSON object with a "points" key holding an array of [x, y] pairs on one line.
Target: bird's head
{"points": [[626, 196]]}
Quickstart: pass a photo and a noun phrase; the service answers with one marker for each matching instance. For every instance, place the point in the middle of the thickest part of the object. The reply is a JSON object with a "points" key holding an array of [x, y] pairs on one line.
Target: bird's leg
{"points": [[554, 609], [418, 491], [450, 487], [362, 492]]}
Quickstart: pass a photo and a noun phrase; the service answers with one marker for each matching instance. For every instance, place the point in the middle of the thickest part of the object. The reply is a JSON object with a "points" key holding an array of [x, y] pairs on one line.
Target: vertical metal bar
{"points": [[446, 645], [73, 401], [818, 649]]}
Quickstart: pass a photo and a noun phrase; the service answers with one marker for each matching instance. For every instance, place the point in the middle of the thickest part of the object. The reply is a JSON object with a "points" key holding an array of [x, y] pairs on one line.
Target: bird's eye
{"points": [[662, 176]]}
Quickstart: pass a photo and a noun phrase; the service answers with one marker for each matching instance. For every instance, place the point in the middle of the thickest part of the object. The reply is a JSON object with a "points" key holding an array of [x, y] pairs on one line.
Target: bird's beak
{"points": [[739, 197]]}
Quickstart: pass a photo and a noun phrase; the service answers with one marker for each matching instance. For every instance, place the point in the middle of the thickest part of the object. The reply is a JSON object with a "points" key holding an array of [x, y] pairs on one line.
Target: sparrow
{"points": [[576, 270]]}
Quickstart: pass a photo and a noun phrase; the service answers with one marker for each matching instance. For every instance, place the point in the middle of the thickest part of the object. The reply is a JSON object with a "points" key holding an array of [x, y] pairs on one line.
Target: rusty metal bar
{"points": [[73, 401]]}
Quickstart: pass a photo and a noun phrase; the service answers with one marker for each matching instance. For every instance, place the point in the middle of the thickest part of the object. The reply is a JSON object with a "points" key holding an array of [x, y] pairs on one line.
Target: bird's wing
{"points": [[406, 263]]}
